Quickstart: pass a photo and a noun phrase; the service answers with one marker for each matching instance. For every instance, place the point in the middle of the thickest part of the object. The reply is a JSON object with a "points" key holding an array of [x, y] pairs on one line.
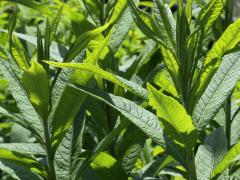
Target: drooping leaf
{"points": [[134, 88], [218, 90]]}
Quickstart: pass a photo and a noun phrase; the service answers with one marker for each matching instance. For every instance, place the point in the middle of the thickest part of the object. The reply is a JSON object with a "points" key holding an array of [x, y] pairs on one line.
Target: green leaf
{"points": [[19, 53], [95, 70], [228, 40], [35, 5], [144, 21], [24, 161], [67, 155], [17, 172], [209, 14], [227, 160], [142, 118], [35, 82], [189, 11], [82, 41], [173, 68], [120, 30], [130, 157], [106, 167], [50, 32], [119, 127], [218, 90], [66, 103], [57, 51], [177, 123], [29, 114], [94, 8], [210, 154], [166, 23], [24, 148]]}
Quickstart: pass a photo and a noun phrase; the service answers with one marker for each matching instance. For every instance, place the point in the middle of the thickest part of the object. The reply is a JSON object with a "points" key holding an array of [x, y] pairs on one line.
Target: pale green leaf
{"points": [[95, 70], [35, 82], [177, 123], [209, 14]]}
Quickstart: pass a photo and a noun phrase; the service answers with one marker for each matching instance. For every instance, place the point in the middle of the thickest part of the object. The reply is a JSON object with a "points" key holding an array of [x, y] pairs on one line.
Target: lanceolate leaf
{"points": [[218, 90], [67, 155], [35, 82], [172, 65], [166, 23], [229, 39], [177, 123], [19, 53], [209, 14], [142, 118], [227, 160], [210, 154], [134, 88], [32, 119], [120, 30]]}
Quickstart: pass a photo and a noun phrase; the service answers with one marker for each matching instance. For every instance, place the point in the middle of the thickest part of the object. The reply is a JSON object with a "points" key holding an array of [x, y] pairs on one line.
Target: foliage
{"points": [[124, 89]]}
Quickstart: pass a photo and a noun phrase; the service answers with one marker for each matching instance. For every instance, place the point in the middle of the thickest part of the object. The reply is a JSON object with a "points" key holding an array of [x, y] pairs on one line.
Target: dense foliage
{"points": [[119, 89]]}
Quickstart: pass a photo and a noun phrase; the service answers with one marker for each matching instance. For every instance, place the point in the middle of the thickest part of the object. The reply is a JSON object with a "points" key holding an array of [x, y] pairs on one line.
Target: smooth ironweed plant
{"points": [[119, 89]]}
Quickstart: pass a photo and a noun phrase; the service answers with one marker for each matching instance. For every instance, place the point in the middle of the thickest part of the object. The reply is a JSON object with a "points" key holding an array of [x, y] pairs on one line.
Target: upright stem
{"points": [[50, 155], [191, 166], [228, 120]]}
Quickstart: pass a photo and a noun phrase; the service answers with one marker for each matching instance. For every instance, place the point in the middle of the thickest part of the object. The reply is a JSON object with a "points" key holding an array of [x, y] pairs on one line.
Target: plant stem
{"points": [[228, 120], [50, 155], [191, 166]]}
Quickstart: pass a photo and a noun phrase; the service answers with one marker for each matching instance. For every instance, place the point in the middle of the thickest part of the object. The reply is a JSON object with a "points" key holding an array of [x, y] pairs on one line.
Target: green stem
{"points": [[50, 154], [228, 120], [192, 175]]}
